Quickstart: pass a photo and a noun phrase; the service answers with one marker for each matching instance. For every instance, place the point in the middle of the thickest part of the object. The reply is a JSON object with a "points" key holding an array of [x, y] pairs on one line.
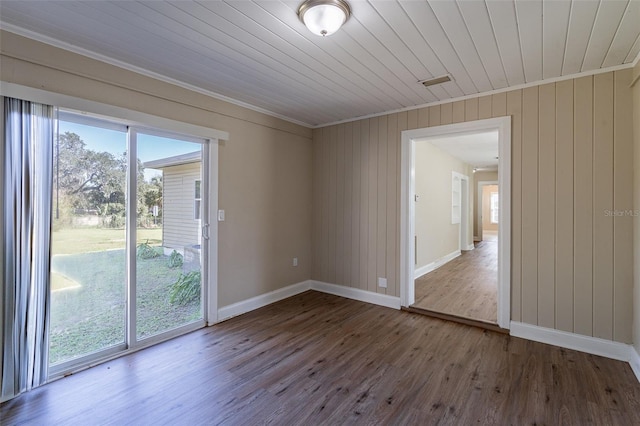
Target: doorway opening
{"points": [[433, 264], [487, 207]]}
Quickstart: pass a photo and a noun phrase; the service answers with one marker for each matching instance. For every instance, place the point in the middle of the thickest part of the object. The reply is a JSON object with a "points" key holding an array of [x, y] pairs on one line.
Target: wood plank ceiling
{"points": [[259, 53]]}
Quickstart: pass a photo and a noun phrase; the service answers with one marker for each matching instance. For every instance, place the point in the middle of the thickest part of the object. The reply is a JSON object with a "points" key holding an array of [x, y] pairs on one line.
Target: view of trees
{"points": [[88, 182]]}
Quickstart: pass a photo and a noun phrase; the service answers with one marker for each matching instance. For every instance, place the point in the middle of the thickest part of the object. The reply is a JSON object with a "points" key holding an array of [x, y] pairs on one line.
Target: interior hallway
{"points": [[465, 287]]}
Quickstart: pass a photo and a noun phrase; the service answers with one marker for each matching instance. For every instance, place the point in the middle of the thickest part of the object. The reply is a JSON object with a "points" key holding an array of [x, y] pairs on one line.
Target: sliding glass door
{"points": [[127, 241], [88, 265], [169, 234]]}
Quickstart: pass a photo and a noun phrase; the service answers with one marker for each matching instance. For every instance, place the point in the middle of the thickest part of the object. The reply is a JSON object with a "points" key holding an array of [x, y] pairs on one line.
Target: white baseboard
{"points": [[470, 247], [256, 302], [357, 294], [578, 342], [435, 264], [635, 363]]}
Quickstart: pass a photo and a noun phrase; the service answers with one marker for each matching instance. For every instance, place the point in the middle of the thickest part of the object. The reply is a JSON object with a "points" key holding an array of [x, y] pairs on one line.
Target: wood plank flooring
{"points": [[320, 359], [466, 287]]}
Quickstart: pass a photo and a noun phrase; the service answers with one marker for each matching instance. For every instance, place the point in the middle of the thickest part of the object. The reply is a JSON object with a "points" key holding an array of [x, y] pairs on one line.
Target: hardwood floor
{"points": [[321, 359], [466, 287]]}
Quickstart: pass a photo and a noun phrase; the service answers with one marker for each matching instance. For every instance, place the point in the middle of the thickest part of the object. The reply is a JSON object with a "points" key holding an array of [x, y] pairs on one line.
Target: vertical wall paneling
{"points": [[316, 213], [338, 251], [622, 202], [458, 112], [446, 115], [499, 104], [423, 118], [347, 214], [602, 201], [324, 261], [333, 199], [393, 203], [434, 115], [571, 240], [412, 119], [484, 107], [583, 205], [514, 109], [365, 148], [564, 206], [372, 231], [381, 262], [530, 205], [357, 205], [471, 109], [546, 205]]}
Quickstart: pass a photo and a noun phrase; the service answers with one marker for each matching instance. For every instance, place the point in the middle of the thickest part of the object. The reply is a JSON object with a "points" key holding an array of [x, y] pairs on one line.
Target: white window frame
{"points": [[494, 205], [197, 199]]}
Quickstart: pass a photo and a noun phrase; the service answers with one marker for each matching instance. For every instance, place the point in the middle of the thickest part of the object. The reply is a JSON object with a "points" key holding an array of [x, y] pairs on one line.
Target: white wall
{"points": [[436, 235]]}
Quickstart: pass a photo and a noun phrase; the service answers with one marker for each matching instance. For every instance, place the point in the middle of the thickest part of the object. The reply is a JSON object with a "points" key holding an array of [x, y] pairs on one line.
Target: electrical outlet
{"points": [[382, 282], [295, 261]]}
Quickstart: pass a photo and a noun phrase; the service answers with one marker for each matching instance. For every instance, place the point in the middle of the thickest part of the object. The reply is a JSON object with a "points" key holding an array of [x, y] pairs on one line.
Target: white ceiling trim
{"points": [[99, 57], [636, 60], [490, 92]]}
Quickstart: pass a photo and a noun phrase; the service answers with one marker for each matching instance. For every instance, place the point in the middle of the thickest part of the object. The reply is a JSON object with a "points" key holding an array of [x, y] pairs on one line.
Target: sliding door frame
{"points": [[142, 122]]}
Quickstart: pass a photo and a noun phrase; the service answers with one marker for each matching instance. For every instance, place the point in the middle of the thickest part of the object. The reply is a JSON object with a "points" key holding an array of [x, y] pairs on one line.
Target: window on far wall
{"points": [[494, 207], [196, 202]]}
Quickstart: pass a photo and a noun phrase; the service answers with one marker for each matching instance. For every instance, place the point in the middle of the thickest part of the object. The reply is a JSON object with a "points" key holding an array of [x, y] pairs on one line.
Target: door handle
{"points": [[205, 231]]}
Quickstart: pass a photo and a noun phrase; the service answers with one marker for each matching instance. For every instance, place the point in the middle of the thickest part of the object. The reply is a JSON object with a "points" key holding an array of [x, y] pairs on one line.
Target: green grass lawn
{"points": [[83, 240], [89, 300]]}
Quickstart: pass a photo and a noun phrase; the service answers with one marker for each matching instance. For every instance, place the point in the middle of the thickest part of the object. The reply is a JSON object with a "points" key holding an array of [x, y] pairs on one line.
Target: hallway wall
{"points": [[436, 236], [480, 176]]}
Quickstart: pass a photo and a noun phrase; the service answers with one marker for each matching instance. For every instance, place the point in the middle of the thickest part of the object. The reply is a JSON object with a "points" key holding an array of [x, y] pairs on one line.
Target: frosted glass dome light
{"points": [[324, 17]]}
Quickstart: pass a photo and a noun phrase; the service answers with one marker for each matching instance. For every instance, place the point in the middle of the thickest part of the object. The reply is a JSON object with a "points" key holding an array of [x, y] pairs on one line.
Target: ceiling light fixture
{"points": [[324, 17]]}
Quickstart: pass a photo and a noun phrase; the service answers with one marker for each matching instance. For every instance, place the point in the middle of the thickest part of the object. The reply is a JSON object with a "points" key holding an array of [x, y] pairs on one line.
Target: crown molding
{"points": [[479, 95], [143, 71]]}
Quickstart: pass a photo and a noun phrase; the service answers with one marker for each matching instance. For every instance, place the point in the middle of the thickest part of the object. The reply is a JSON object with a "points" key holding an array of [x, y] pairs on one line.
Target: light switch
{"points": [[220, 215]]}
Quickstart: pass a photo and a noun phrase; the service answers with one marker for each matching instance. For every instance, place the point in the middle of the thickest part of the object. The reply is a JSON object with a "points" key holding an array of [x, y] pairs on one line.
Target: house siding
{"points": [[571, 263], [179, 226]]}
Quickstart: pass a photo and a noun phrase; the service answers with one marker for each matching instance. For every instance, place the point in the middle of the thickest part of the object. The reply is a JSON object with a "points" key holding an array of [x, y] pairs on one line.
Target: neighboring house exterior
{"points": [[181, 177]]}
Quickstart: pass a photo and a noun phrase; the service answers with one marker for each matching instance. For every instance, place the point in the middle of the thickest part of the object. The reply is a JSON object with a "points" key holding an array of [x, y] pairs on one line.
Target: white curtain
{"points": [[27, 192]]}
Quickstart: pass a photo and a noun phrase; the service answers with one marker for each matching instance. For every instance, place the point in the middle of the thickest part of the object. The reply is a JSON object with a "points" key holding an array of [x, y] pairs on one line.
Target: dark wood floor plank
{"points": [[465, 287], [320, 359]]}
